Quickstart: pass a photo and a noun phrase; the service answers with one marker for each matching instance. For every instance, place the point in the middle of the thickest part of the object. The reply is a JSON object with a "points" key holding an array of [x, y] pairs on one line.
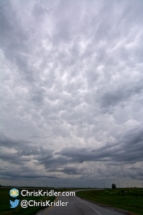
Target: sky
{"points": [[71, 98]]}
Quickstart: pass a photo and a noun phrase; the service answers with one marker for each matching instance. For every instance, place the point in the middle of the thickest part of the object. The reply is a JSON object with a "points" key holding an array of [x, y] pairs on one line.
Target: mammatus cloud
{"points": [[71, 92]]}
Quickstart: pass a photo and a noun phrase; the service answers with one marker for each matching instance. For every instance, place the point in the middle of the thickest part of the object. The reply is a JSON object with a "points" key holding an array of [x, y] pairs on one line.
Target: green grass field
{"points": [[5, 205], [130, 199]]}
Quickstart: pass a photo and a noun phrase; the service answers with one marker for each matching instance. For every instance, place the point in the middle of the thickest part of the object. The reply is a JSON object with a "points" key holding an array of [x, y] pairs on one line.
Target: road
{"points": [[77, 206]]}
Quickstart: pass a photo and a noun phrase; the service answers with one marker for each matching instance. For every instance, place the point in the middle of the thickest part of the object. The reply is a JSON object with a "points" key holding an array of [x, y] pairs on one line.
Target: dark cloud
{"points": [[121, 94], [128, 148]]}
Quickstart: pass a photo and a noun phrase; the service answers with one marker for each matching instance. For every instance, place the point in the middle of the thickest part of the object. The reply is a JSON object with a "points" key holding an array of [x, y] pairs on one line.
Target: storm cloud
{"points": [[71, 92]]}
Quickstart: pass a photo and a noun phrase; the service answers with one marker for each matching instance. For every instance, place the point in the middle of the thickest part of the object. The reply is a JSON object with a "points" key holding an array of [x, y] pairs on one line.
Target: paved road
{"points": [[77, 206]]}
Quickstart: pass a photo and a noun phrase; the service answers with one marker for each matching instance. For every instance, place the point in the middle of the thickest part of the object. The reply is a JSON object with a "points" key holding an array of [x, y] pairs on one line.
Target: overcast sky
{"points": [[71, 92]]}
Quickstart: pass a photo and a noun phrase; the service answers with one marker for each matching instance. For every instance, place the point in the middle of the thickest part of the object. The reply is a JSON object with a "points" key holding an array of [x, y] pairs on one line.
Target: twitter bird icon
{"points": [[14, 204]]}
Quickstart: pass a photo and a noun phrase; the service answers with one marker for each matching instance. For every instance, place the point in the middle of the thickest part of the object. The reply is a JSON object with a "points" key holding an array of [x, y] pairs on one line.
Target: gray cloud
{"points": [[71, 91], [127, 149]]}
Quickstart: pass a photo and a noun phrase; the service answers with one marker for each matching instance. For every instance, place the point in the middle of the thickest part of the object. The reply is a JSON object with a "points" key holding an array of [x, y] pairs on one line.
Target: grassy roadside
{"points": [[5, 205], [130, 199]]}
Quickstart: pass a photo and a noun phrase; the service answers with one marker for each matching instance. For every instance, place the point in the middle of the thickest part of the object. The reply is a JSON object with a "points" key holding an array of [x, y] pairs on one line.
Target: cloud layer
{"points": [[71, 92]]}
